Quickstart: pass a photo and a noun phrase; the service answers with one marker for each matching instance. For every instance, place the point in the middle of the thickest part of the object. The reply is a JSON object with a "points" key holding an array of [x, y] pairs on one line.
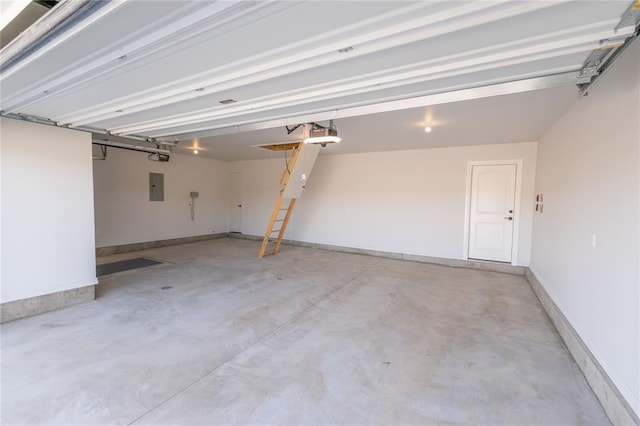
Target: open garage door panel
{"points": [[170, 70]]}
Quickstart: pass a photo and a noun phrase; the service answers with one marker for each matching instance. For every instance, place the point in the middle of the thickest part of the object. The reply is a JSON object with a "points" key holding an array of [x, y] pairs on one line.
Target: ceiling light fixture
{"points": [[323, 135], [195, 151], [428, 129]]}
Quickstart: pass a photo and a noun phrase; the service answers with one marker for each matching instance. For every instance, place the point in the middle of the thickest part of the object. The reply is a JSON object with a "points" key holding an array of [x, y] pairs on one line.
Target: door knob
{"points": [[239, 205], [510, 217]]}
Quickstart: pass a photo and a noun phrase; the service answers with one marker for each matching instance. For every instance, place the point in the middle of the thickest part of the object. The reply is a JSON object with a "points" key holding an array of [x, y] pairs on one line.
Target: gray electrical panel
{"points": [[156, 187]]}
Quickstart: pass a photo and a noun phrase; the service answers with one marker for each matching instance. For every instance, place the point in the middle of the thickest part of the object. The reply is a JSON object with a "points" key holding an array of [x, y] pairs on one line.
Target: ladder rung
{"points": [[285, 179]]}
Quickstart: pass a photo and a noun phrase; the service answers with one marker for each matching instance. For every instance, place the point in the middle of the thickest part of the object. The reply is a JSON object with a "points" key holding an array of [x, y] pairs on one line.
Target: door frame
{"points": [[516, 215], [231, 205]]}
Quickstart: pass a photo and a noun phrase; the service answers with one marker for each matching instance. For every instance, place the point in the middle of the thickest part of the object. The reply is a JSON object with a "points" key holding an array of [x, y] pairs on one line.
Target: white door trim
{"points": [[516, 215], [232, 208]]}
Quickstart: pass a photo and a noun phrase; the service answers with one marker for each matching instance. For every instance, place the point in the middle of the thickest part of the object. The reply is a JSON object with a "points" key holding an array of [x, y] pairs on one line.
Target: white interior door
{"points": [[492, 210], [235, 205]]}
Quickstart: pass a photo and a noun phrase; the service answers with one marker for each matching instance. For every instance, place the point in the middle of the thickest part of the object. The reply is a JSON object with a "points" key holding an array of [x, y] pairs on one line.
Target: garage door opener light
{"points": [[322, 135]]}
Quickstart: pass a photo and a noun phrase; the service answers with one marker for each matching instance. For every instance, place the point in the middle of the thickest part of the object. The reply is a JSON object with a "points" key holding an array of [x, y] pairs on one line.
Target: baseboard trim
{"points": [[614, 404], [23, 308], [245, 236], [126, 248], [456, 263]]}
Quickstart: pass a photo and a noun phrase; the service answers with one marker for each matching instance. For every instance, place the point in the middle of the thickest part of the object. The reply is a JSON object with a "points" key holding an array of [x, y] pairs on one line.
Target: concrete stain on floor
{"points": [[217, 336]]}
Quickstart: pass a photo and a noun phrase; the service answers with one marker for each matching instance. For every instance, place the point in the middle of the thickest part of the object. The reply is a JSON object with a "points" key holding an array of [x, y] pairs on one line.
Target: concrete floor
{"points": [[305, 337]]}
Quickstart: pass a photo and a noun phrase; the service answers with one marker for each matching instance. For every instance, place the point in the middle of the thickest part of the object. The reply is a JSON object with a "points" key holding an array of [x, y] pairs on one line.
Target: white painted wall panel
{"points": [[401, 201], [47, 210], [125, 215], [260, 186], [588, 170]]}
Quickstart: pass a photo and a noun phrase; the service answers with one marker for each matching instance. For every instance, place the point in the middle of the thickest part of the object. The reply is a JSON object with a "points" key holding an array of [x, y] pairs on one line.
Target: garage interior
{"points": [[455, 187]]}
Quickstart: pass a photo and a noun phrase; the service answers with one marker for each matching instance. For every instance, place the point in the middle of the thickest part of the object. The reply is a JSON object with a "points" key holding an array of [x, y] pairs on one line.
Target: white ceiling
{"points": [[160, 68]]}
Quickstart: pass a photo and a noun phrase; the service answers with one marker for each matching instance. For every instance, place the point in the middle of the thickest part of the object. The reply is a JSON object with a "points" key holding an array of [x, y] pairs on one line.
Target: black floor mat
{"points": [[124, 265]]}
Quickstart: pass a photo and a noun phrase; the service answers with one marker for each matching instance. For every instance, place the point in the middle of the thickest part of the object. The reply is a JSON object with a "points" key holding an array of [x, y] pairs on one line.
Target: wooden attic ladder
{"points": [[284, 206]]}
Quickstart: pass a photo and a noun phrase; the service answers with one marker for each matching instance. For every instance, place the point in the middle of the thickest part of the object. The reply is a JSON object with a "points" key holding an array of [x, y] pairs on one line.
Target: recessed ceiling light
{"points": [[427, 129], [346, 49], [228, 101], [199, 89], [195, 151], [118, 110]]}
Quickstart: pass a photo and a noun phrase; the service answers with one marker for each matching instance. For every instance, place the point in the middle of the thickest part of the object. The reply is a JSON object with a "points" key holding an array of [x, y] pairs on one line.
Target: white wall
{"points": [[47, 210], [125, 215], [588, 170], [402, 201]]}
